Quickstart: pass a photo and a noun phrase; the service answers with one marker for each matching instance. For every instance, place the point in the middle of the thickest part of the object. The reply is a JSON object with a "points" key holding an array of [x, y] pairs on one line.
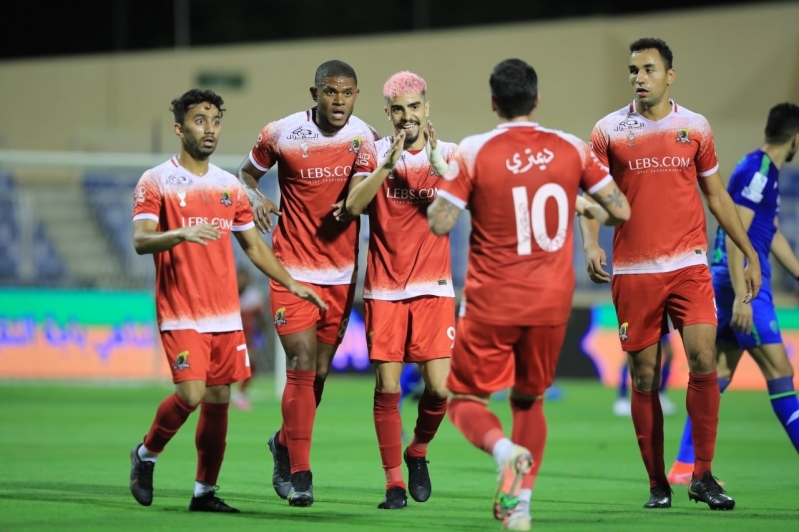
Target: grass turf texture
{"points": [[64, 463]]}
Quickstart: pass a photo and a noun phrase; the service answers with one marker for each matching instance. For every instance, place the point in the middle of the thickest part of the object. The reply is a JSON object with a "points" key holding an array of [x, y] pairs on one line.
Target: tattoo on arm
{"points": [[444, 216], [613, 198]]}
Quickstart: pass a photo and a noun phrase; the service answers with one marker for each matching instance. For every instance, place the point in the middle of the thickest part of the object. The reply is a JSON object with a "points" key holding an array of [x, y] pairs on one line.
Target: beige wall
{"points": [[732, 66]]}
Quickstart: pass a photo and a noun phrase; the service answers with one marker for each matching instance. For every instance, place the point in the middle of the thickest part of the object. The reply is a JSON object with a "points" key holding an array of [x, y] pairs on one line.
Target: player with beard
{"points": [[184, 213], [754, 187], [315, 151]]}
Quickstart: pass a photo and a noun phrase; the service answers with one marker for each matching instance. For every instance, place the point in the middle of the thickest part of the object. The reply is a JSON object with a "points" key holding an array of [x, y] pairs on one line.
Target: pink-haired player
{"points": [[409, 300]]}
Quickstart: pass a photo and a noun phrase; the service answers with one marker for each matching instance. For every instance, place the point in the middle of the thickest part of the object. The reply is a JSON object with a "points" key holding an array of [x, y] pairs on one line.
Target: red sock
{"points": [[476, 422], [702, 402], [432, 410], [388, 426], [210, 441], [648, 422], [318, 388], [170, 416], [299, 411], [530, 431]]}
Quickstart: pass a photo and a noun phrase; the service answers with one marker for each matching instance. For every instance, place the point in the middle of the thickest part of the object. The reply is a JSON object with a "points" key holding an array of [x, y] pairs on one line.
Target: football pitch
{"points": [[64, 464]]}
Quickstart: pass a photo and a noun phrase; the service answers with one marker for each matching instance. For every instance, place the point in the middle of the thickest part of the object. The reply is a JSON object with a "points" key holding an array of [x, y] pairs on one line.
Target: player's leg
{"points": [[188, 355], [330, 330], [230, 362], [691, 305], [727, 357], [536, 357], [640, 306], [386, 336], [432, 327], [481, 365], [777, 369], [388, 427]]}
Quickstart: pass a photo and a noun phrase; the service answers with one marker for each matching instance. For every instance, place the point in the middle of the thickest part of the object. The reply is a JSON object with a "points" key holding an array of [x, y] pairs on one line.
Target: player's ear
{"points": [[388, 113], [671, 74], [493, 105], [427, 108], [179, 130], [314, 94]]}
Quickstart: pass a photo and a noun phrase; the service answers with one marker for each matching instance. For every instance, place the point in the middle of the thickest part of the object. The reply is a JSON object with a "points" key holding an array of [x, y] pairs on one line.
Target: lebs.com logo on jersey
{"points": [[334, 173], [223, 224], [659, 164]]}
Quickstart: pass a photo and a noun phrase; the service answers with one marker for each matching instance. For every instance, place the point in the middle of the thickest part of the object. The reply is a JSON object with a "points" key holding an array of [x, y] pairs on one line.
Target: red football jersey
{"points": [[195, 285], [405, 258], [520, 183], [656, 165], [314, 169]]}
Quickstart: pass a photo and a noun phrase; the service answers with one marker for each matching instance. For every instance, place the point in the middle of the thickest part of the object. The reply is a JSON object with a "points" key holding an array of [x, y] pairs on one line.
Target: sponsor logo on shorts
{"points": [[623, 331], [280, 317], [226, 201], [442, 282], [182, 361]]}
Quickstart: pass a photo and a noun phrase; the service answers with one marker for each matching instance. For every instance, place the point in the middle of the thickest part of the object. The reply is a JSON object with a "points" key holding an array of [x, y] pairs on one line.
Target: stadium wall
{"points": [[733, 64]]}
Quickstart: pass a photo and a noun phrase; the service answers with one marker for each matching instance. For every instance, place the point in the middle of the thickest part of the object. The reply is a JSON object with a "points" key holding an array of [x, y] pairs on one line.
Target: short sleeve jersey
{"points": [[195, 285], [754, 184], [405, 258], [520, 183], [314, 169], [657, 165]]}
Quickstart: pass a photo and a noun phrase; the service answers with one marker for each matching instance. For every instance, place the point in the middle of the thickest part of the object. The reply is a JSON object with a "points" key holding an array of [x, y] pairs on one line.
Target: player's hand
{"points": [[303, 292], [395, 151], [581, 206], [753, 279], [201, 234], [261, 210], [596, 260], [742, 315], [430, 135], [340, 213]]}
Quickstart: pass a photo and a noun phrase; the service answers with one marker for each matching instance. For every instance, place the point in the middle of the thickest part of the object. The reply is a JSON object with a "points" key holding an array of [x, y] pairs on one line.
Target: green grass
{"points": [[64, 466]]}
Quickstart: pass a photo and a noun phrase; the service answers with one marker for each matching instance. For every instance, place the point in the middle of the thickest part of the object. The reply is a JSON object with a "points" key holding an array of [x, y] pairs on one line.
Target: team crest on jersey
{"points": [[355, 144], [280, 317], [226, 201], [682, 136], [302, 133], [182, 361], [623, 331]]}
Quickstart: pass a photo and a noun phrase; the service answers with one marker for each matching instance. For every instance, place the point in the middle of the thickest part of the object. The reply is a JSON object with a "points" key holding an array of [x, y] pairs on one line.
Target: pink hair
{"points": [[403, 83]]}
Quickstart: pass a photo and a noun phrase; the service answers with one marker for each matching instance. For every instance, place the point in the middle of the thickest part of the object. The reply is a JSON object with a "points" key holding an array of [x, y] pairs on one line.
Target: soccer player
{"points": [[253, 313], [184, 212], [315, 152], [409, 299], [520, 182], [657, 151], [755, 190]]}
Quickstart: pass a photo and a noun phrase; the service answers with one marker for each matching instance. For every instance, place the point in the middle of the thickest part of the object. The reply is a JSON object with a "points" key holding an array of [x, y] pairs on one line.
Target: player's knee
{"points": [[191, 392], [702, 361], [438, 390], [217, 394]]}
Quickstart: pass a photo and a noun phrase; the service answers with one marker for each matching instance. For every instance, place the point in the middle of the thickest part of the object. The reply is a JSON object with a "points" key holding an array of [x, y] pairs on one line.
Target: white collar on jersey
{"points": [[517, 124], [634, 111]]}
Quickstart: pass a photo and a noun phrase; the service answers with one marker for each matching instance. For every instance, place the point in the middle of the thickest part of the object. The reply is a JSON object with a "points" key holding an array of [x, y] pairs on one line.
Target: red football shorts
{"points": [[645, 301], [410, 330], [216, 358], [293, 315], [488, 358]]}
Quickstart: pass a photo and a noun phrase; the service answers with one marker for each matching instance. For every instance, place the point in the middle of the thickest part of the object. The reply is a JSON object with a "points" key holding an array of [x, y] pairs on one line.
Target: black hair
{"points": [[782, 123], [194, 97], [649, 43], [514, 87], [333, 69]]}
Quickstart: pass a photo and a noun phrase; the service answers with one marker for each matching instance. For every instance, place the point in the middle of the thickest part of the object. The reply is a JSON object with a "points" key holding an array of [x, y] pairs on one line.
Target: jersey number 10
{"points": [[531, 220]]}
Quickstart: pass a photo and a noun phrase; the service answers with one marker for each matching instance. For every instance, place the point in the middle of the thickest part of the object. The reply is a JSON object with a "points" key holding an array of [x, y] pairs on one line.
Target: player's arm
{"points": [[433, 150], [442, 215], [741, 312], [724, 209], [609, 205], [264, 259], [363, 190], [783, 252], [595, 257], [249, 175], [148, 239]]}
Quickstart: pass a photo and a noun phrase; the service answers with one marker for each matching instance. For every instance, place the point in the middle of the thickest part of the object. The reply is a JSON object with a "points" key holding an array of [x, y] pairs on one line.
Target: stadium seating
{"points": [[39, 254]]}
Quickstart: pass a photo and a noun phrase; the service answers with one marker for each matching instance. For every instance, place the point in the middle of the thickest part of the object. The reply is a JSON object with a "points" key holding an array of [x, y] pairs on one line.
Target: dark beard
{"points": [[197, 150]]}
